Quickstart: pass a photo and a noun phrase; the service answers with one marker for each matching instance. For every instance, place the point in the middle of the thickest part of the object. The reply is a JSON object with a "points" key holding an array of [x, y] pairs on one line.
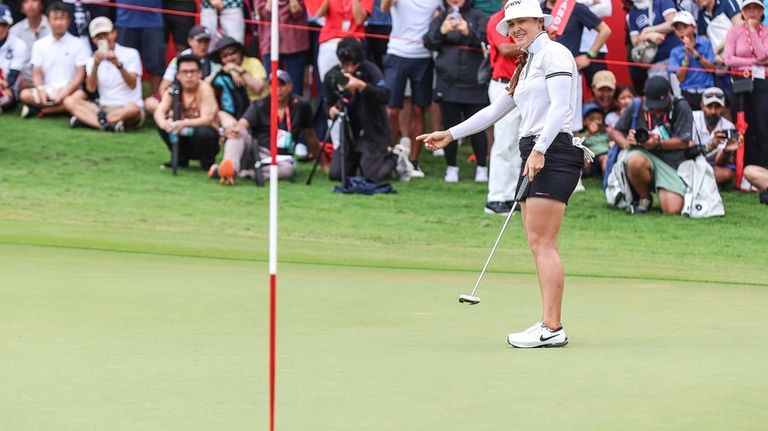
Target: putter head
{"points": [[469, 299]]}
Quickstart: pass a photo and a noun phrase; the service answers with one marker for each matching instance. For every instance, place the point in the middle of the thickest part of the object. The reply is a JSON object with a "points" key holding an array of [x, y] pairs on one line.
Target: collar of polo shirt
{"points": [[538, 43]]}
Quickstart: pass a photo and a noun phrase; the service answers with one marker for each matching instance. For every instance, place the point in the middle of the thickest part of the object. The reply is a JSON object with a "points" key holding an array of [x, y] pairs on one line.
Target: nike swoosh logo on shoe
{"points": [[541, 338]]}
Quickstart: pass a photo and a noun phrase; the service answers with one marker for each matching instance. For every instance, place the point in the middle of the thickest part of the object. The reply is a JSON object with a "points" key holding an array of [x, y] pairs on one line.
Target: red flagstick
{"points": [[274, 55]]}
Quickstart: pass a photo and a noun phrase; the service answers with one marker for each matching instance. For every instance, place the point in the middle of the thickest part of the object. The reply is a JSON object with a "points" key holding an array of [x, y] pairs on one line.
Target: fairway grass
{"points": [[97, 340]]}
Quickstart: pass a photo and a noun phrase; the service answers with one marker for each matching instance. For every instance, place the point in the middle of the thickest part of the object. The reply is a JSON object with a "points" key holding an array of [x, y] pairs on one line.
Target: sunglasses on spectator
{"points": [[709, 94]]}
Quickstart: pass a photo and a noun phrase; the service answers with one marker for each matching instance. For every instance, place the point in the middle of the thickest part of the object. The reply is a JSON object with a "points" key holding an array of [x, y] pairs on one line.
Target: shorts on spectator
{"points": [[664, 176], [137, 123], [398, 71], [150, 42], [178, 25], [52, 89]]}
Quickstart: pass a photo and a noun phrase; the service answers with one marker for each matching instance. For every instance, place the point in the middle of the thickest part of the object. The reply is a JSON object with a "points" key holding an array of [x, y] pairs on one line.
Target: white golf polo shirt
{"points": [[546, 60], [545, 96], [59, 58], [113, 91]]}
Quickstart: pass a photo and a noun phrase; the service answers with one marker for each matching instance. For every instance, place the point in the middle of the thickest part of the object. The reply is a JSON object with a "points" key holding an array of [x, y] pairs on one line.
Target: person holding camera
{"points": [[115, 71], [248, 140], [715, 134], [187, 115], [356, 88], [657, 136]]}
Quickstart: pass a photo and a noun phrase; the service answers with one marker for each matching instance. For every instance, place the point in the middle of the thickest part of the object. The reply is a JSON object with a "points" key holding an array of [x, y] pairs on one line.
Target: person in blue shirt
{"points": [[657, 30], [684, 60]]}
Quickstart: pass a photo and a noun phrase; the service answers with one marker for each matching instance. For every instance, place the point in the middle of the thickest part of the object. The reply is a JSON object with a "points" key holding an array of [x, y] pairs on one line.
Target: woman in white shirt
{"points": [[543, 88]]}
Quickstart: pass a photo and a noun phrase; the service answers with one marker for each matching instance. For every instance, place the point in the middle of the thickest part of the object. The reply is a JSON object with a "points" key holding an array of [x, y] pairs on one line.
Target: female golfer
{"points": [[543, 88]]}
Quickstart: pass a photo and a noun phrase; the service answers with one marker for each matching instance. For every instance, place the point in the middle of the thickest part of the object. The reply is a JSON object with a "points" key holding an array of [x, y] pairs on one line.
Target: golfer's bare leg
{"points": [[543, 218]]}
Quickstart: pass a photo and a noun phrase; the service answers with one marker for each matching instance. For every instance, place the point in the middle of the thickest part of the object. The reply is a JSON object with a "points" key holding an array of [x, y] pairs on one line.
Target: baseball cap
{"points": [[684, 17], [5, 15], [757, 2], [283, 76], [199, 32], [590, 108], [713, 95], [100, 25], [604, 78], [657, 90]]}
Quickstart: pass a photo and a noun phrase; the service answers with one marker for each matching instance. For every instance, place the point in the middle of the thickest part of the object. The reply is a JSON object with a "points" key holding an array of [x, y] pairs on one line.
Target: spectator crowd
{"points": [[358, 80]]}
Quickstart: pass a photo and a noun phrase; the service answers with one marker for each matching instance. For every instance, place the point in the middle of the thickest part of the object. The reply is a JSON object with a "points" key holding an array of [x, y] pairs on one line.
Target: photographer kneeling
{"points": [[657, 136], [358, 87]]}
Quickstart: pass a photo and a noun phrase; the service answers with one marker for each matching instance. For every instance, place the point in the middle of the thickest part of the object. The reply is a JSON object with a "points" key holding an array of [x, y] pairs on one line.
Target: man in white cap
{"points": [[115, 71], [687, 59], [716, 134]]}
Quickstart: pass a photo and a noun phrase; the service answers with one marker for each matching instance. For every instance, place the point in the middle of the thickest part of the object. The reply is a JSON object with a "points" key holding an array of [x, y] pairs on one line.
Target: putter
{"points": [[471, 299]]}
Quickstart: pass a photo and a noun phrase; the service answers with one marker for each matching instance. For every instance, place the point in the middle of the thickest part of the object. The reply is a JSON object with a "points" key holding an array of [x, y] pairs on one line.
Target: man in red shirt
{"points": [[343, 18], [505, 152]]}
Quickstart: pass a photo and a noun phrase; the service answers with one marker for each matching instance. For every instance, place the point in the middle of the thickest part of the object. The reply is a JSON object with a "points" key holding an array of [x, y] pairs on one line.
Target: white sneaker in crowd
{"points": [[417, 172], [481, 174], [301, 151], [403, 167], [451, 174], [538, 335], [579, 187]]}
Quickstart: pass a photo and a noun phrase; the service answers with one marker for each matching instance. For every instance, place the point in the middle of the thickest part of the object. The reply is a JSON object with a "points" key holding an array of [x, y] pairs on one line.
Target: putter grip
{"points": [[521, 189]]}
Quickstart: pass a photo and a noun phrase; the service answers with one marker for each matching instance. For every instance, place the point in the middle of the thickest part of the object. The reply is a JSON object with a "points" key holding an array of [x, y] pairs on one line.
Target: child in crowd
{"points": [[622, 98], [597, 139]]}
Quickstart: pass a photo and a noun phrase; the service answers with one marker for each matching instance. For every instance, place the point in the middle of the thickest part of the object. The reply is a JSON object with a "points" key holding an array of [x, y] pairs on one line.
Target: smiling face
{"points": [[455, 3], [524, 30], [231, 55]]}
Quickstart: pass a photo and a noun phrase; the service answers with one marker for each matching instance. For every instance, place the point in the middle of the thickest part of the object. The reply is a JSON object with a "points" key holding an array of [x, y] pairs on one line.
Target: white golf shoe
{"points": [[538, 335]]}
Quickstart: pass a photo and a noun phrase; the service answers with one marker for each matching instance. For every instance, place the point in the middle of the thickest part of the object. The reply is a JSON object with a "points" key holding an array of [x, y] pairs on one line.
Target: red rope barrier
{"points": [[387, 37]]}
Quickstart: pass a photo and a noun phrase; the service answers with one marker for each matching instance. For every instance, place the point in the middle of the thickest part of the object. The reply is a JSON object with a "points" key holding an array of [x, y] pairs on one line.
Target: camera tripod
{"points": [[346, 131]]}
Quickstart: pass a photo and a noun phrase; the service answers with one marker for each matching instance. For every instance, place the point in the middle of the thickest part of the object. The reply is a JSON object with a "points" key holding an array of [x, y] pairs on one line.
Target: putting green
{"points": [[95, 340]]}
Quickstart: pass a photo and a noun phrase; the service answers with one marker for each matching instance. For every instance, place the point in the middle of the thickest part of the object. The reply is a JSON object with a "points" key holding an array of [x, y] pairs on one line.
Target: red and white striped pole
{"points": [[274, 56]]}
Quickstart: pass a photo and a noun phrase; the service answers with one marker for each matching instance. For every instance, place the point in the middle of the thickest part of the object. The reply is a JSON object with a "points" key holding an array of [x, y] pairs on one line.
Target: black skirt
{"points": [[562, 168]]}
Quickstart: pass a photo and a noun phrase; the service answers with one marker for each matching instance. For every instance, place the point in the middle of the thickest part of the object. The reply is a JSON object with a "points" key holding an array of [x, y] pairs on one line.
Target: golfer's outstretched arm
{"points": [[485, 117]]}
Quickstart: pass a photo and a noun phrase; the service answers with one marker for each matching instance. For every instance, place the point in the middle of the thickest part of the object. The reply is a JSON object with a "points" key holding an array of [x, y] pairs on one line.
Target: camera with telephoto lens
{"points": [[731, 134], [642, 135]]}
